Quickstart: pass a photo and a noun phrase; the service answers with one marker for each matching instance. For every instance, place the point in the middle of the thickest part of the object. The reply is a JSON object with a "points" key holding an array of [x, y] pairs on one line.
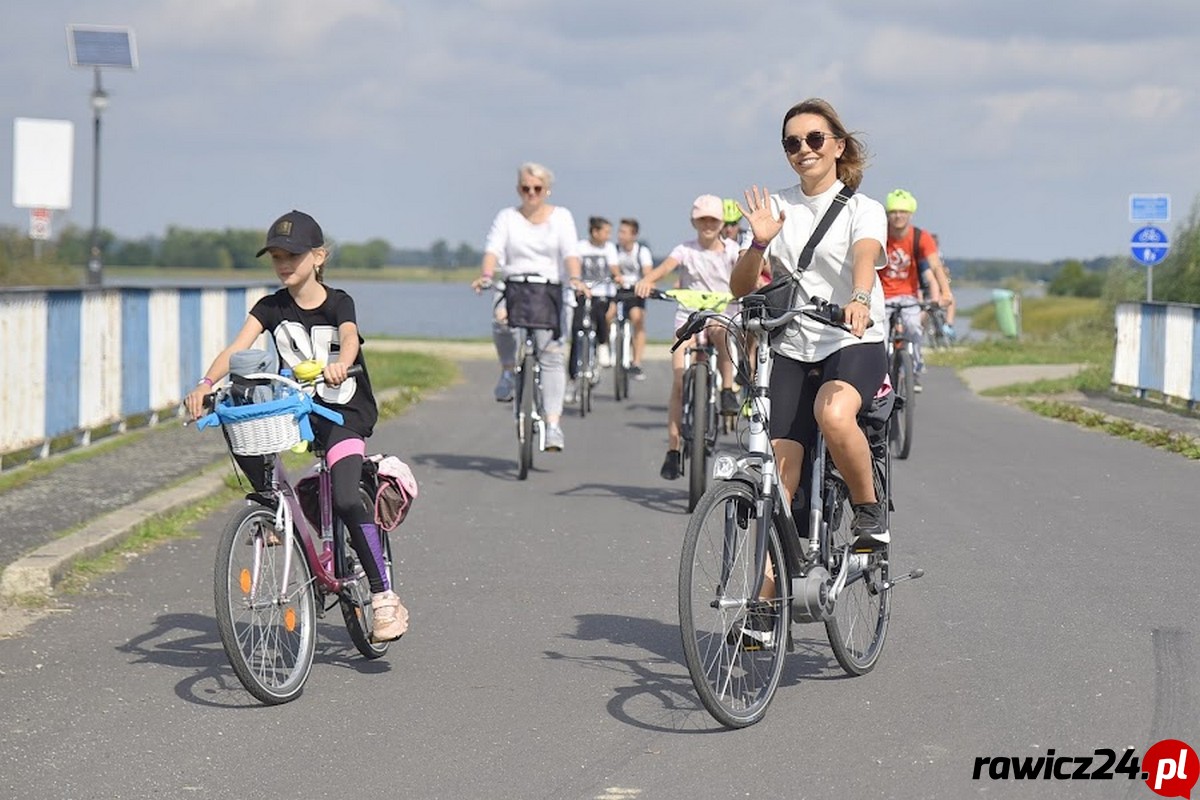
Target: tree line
{"points": [[60, 261], [235, 249]]}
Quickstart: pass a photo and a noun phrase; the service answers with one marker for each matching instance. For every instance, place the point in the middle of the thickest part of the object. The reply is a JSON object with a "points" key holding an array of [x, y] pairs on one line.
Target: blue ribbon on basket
{"points": [[298, 404]]}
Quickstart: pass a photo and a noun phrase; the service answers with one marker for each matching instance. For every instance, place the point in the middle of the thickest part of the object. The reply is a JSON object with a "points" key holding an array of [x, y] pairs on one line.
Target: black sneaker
{"points": [[868, 527], [756, 631], [729, 403], [672, 466], [636, 373]]}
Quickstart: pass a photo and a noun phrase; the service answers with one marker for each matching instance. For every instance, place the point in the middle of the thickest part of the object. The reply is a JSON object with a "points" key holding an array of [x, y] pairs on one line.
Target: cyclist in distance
{"points": [[823, 376], [901, 278], [598, 262], [540, 238], [633, 262], [706, 263], [947, 296], [309, 320]]}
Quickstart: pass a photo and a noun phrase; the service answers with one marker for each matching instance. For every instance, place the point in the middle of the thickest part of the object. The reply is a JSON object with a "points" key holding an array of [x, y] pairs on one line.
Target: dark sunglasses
{"points": [[814, 139], [532, 189]]}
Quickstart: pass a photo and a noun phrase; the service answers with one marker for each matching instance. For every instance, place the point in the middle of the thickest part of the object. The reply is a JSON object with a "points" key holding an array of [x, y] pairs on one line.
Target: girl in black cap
{"points": [[309, 320]]}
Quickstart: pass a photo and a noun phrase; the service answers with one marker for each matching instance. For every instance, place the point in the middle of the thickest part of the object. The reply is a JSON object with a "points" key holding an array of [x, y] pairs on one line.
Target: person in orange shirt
{"points": [[901, 278]]}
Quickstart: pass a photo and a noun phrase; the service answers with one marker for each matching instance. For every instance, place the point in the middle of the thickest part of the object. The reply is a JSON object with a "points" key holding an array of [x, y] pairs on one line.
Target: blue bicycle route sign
{"points": [[1149, 208], [1149, 245]]}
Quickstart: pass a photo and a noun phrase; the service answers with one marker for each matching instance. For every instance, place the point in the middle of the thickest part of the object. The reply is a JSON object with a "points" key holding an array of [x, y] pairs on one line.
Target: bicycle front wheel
{"points": [[859, 623], [355, 600], [698, 442], [268, 629], [901, 425], [733, 639], [620, 345], [525, 397]]}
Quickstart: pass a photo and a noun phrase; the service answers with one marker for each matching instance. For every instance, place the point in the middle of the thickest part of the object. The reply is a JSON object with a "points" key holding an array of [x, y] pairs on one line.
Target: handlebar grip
{"points": [[354, 369]]}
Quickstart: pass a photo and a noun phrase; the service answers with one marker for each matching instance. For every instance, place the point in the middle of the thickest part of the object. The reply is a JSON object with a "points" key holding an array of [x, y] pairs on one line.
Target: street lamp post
{"points": [[99, 46], [95, 262]]}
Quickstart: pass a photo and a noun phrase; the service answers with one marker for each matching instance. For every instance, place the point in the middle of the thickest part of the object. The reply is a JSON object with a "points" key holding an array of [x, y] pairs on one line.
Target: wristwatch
{"points": [[860, 296]]}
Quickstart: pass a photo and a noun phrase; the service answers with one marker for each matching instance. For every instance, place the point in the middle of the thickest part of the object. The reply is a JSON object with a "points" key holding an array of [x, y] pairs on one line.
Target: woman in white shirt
{"points": [[823, 376], [533, 238]]}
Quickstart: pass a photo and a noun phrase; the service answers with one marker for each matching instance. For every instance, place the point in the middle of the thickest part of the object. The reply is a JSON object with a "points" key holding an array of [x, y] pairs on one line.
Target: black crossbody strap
{"points": [[835, 208]]}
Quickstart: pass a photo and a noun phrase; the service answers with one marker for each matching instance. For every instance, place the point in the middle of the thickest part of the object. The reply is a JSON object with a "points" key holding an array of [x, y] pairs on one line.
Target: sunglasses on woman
{"points": [[814, 139], [532, 189]]}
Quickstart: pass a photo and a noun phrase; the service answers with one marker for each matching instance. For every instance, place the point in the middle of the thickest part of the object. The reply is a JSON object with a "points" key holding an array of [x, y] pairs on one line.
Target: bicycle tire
{"points": [[904, 383], [620, 369], [355, 600], [735, 681], [698, 444], [269, 642], [586, 374], [858, 626], [525, 397]]}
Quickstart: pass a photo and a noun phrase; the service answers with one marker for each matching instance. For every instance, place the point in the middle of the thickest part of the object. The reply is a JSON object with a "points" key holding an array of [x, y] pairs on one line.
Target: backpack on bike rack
{"points": [[395, 488]]}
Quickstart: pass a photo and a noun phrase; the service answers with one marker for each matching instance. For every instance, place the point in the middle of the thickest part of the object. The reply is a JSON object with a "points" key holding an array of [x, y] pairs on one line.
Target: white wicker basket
{"points": [[263, 436]]}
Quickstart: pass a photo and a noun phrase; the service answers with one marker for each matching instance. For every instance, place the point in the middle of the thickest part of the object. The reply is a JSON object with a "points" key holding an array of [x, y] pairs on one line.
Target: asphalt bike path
{"points": [[544, 659]]}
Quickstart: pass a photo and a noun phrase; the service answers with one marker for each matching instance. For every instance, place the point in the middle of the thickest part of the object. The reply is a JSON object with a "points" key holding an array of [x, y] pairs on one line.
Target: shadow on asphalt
{"points": [[670, 501], [191, 642], [499, 468], [660, 696]]}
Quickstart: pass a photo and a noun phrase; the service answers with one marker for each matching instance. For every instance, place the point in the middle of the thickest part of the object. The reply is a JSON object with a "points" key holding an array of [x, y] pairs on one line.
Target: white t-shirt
{"points": [[707, 270], [830, 276], [523, 247], [633, 263], [597, 262]]}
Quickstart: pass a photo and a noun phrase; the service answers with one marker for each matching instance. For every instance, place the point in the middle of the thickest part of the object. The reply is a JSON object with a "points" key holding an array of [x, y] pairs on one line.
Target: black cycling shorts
{"points": [[794, 386]]}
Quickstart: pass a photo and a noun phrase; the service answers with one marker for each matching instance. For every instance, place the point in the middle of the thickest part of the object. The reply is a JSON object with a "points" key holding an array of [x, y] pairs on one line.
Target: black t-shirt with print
{"points": [[301, 334]]}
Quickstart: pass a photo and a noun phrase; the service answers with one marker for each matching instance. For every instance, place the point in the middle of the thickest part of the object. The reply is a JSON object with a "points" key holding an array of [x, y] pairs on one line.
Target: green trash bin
{"points": [[1008, 314]]}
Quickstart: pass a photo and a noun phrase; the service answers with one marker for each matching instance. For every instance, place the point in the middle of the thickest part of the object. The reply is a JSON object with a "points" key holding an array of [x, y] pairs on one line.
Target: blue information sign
{"points": [[1149, 208], [1149, 245]]}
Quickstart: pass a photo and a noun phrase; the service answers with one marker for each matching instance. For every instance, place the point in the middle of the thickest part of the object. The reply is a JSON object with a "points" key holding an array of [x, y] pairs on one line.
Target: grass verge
{"points": [[1166, 440]]}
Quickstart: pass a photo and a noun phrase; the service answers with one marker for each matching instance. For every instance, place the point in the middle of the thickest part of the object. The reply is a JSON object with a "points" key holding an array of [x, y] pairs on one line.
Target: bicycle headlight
{"points": [[724, 468]]}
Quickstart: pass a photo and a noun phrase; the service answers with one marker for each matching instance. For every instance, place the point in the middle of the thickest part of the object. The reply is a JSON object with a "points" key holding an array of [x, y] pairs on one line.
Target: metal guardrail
{"points": [[82, 360], [1158, 351]]}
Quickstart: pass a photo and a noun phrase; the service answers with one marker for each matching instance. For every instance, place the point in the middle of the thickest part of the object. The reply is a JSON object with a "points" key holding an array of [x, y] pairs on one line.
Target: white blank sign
{"points": [[43, 155]]}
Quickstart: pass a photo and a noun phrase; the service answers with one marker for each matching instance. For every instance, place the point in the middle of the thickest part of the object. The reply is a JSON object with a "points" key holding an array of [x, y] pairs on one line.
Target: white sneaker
{"points": [[604, 355], [571, 395], [554, 438]]}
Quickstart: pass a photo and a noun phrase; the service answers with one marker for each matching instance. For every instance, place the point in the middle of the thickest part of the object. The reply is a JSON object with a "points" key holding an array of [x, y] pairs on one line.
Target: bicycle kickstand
{"points": [[916, 573]]}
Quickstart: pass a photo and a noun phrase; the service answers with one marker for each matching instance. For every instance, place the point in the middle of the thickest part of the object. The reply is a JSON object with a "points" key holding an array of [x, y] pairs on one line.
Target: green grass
{"points": [[335, 274]]}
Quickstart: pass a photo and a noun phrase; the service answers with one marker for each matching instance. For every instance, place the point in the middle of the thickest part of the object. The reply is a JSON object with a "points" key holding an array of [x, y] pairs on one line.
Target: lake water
{"points": [[453, 311]]}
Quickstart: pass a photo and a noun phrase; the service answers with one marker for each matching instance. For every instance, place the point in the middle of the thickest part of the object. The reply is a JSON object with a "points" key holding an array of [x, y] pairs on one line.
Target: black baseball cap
{"points": [[295, 232]]}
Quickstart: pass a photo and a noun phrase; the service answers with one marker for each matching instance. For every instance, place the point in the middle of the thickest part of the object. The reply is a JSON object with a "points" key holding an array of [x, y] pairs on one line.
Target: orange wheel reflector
{"points": [[244, 581], [289, 620]]}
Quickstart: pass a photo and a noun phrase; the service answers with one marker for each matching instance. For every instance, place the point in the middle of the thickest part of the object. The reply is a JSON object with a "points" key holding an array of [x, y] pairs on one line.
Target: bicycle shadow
{"points": [[660, 696], [668, 501], [499, 468], [187, 641]]}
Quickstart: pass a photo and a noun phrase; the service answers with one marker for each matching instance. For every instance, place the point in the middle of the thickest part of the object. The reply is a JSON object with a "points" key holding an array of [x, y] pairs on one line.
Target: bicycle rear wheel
{"points": [[859, 623], [698, 430], [525, 431], [901, 425], [268, 629], [733, 642], [355, 599]]}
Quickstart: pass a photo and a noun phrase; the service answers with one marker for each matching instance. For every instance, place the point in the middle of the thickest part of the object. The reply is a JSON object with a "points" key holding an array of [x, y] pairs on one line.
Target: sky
{"points": [[1022, 127]]}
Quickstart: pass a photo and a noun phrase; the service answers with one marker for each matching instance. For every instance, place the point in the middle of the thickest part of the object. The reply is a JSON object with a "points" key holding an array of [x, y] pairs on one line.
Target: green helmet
{"points": [[900, 200], [731, 212]]}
